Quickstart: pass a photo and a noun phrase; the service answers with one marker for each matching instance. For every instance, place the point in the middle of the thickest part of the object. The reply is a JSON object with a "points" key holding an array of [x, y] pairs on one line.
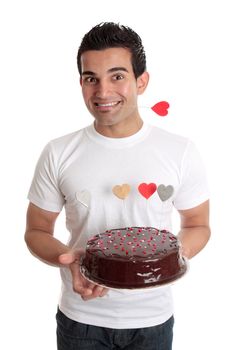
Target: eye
{"points": [[90, 80], [118, 77]]}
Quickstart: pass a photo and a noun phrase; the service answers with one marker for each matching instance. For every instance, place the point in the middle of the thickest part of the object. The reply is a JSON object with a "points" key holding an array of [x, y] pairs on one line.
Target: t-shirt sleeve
{"points": [[44, 191], [193, 188]]}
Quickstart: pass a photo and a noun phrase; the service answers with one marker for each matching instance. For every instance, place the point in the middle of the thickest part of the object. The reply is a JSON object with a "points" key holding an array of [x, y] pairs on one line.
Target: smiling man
{"points": [[78, 172]]}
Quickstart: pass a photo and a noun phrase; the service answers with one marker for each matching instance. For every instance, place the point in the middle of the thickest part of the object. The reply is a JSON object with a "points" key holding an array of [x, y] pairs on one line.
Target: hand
{"points": [[81, 285]]}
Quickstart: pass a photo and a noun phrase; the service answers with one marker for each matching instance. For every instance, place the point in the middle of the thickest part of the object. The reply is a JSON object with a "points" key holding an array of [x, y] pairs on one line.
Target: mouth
{"points": [[107, 106]]}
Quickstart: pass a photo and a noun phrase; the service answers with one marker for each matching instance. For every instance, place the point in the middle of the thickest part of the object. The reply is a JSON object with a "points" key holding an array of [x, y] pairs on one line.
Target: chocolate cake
{"points": [[135, 257]]}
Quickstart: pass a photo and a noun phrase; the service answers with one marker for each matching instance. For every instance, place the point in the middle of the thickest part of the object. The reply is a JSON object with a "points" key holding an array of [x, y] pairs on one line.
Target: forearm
{"points": [[193, 239], [45, 247]]}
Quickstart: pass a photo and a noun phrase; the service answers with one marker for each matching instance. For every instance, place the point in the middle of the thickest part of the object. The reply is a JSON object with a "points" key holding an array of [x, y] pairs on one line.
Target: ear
{"points": [[142, 82], [80, 81]]}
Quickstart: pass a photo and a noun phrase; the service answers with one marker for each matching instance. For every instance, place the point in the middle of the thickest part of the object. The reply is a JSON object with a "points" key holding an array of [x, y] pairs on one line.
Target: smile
{"points": [[110, 104]]}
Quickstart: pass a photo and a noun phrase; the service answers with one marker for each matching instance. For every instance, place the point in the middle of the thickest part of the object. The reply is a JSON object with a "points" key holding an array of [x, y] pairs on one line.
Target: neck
{"points": [[123, 129]]}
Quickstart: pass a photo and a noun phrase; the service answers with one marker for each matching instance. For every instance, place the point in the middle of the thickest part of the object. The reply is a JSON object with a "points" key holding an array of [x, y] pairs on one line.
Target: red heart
{"points": [[147, 190], [161, 108]]}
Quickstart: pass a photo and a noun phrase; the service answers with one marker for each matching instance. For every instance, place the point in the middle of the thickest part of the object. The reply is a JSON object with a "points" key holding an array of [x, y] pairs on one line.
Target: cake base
{"points": [[144, 287]]}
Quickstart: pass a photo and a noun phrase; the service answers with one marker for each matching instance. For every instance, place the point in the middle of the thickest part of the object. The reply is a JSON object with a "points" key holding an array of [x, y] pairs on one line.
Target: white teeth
{"points": [[106, 104]]}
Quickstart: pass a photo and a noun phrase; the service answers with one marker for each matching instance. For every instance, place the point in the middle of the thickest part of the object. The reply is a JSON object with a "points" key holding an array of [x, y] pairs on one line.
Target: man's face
{"points": [[109, 86]]}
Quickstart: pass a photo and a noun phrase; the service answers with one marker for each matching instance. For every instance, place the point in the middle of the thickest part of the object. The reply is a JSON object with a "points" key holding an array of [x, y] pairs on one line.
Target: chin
{"points": [[106, 120], [105, 123]]}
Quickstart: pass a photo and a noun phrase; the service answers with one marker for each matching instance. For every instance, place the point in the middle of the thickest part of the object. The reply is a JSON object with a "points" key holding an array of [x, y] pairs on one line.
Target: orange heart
{"points": [[121, 191]]}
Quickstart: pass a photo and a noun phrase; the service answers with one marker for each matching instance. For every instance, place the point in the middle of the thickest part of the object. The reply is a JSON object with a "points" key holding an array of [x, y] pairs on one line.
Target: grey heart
{"points": [[165, 192]]}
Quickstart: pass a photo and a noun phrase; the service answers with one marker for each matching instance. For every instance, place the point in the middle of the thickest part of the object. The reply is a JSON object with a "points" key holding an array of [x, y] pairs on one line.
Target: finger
{"points": [[81, 289], [92, 296], [185, 252], [98, 291], [80, 284], [87, 289], [104, 292]]}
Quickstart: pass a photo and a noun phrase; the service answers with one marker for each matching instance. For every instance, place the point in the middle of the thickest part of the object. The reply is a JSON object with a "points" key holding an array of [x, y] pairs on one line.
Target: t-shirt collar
{"points": [[117, 142]]}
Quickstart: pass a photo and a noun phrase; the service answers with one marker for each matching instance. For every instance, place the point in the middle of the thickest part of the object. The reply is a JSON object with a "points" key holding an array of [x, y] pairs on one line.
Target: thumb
{"points": [[70, 257], [67, 258]]}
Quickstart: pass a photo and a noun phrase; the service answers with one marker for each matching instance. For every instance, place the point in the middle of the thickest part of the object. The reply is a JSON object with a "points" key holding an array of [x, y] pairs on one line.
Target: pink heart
{"points": [[161, 108], [147, 190]]}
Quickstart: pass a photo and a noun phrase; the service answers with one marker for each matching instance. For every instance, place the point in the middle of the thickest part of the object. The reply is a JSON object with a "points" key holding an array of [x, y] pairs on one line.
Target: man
{"points": [[79, 170]]}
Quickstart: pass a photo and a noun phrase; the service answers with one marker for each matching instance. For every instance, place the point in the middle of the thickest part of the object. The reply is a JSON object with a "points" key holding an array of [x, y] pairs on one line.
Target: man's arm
{"points": [[195, 230], [39, 235], [41, 242]]}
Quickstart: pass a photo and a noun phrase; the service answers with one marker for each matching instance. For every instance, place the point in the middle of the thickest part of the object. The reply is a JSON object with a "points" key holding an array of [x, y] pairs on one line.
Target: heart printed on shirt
{"points": [[147, 190], [83, 197], [161, 108], [165, 192], [121, 191]]}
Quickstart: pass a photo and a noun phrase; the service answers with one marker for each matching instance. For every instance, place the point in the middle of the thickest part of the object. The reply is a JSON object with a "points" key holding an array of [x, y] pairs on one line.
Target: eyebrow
{"points": [[111, 70]]}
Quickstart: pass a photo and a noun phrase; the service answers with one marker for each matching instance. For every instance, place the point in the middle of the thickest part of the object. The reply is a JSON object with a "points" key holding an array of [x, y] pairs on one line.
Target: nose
{"points": [[103, 89]]}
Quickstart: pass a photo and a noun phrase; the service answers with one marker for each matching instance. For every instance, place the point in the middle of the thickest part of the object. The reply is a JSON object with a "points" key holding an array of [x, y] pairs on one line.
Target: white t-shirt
{"points": [[79, 170]]}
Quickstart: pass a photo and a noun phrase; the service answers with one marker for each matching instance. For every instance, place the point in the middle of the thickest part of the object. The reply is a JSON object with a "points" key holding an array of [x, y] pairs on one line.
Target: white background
{"points": [[189, 54]]}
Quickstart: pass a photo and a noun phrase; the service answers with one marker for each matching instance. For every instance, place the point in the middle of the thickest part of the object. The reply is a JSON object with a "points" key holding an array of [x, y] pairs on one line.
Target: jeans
{"points": [[72, 335]]}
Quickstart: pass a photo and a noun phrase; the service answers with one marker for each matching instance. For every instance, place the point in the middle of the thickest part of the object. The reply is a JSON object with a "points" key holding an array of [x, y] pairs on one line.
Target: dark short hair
{"points": [[109, 35]]}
